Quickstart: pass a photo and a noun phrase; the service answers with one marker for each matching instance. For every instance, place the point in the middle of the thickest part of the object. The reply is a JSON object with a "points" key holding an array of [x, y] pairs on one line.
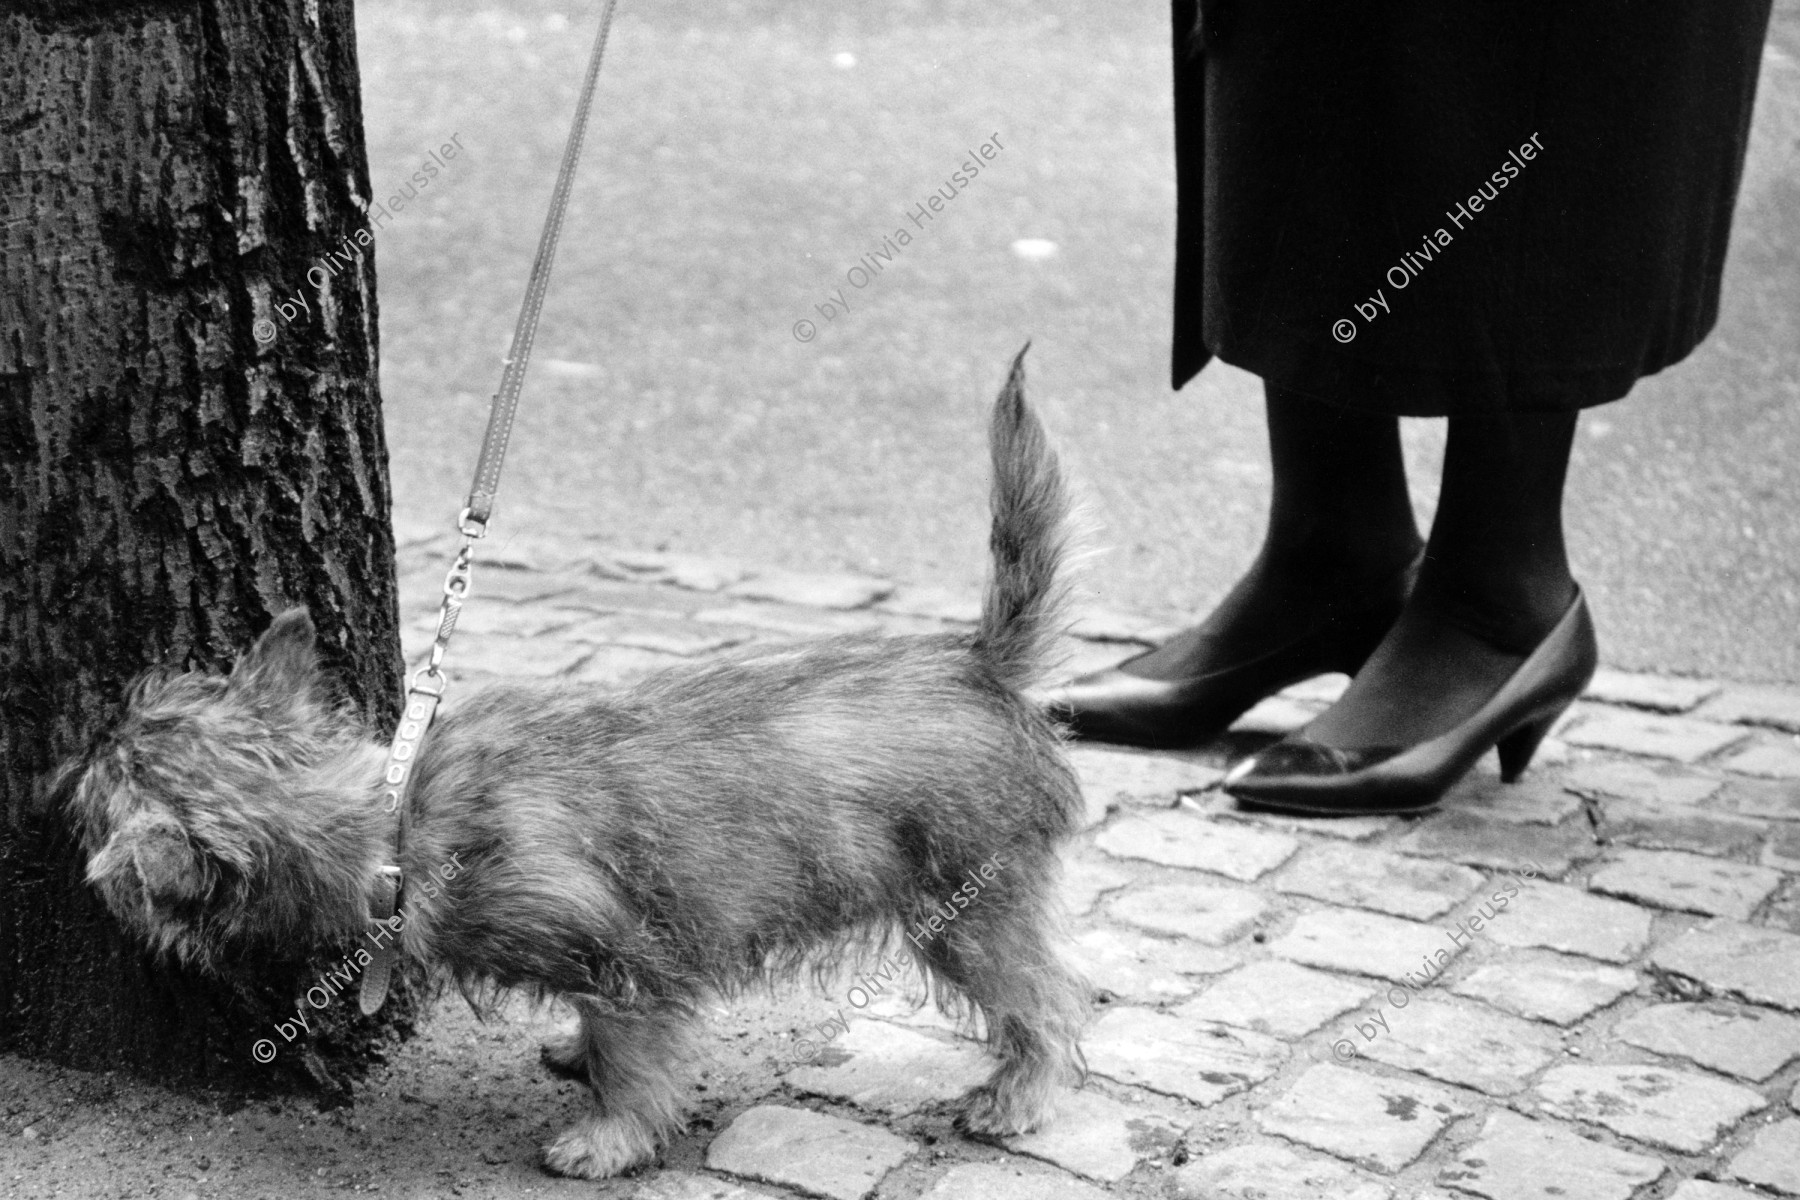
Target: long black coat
{"points": [[1429, 208]]}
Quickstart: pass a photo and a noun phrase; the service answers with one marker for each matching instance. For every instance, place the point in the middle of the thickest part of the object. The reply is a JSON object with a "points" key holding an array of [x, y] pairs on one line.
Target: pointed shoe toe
{"points": [[1305, 777], [1292, 757], [1125, 709]]}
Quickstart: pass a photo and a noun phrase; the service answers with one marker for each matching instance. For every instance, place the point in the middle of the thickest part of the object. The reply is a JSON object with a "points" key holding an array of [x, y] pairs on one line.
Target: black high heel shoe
{"points": [[1116, 706], [1299, 775]]}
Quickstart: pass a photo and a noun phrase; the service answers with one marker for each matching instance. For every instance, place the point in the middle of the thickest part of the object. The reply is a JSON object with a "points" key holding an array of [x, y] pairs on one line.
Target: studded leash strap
{"points": [[386, 919]]}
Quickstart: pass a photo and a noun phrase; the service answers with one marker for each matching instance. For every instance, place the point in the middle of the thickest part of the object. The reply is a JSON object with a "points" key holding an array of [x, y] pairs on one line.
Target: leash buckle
{"points": [[429, 671]]}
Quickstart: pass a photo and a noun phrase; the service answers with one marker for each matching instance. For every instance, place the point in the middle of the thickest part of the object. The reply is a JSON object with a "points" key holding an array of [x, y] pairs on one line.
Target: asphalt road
{"points": [[745, 156]]}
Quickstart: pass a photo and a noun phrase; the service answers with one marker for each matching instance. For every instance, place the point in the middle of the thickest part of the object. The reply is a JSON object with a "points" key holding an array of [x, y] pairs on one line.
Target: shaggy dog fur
{"points": [[635, 852]]}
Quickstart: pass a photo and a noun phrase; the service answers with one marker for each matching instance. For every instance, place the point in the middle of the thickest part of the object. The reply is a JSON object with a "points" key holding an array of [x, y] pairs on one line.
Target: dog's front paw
{"points": [[600, 1147], [565, 1056]]}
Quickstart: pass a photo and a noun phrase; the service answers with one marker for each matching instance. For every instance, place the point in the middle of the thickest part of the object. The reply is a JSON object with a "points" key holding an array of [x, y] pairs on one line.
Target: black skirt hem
{"points": [[1436, 393]]}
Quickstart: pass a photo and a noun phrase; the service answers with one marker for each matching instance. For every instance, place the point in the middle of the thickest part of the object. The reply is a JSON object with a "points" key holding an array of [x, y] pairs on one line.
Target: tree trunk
{"points": [[179, 461]]}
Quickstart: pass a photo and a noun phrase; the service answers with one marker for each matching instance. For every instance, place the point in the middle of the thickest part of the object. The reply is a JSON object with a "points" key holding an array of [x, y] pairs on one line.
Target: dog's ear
{"points": [[150, 859], [284, 661]]}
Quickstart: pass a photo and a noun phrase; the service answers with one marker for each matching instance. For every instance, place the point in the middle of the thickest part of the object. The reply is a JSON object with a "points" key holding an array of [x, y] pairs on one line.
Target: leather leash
{"points": [[386, 919]]}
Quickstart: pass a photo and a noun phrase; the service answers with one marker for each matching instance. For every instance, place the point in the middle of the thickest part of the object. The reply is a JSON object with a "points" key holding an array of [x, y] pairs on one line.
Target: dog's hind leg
{"points": [[566, 1055], [999, 956], [631, 1062]]}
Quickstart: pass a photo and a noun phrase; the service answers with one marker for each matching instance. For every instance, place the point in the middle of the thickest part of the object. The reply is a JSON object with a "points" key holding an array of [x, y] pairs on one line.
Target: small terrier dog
{"points": [[635, 852]]}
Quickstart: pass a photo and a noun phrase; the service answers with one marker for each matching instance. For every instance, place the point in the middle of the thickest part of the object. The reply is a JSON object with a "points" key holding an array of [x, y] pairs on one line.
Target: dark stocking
{"points": [[1340, 526], [1495, 581]]}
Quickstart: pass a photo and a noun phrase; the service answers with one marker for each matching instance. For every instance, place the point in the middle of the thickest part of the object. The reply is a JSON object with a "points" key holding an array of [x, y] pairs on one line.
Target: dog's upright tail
{"points": [[1030, 509]]}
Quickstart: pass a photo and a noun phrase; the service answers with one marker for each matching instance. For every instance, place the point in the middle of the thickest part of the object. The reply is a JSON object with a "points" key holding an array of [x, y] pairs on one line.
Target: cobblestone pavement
{"points": [[1585, 985]]}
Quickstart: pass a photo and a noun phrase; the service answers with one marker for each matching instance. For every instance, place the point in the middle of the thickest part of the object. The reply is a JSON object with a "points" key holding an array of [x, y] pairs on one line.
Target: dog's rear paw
{"points": [[989, 1112], [565, 1056], [600, 1147]]}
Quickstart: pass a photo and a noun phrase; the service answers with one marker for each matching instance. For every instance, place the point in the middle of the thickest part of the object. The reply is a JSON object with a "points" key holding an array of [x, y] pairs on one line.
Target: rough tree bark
{"points": [[178, 461]]}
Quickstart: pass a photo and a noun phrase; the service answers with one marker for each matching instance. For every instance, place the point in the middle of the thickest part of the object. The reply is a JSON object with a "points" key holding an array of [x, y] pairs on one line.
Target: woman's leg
{"points": [[1340, 527], [1494, 582]]}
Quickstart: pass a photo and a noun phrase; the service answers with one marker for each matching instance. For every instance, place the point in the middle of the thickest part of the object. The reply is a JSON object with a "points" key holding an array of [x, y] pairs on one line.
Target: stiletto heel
{"points": [[1517, 747], [1298, 774]]}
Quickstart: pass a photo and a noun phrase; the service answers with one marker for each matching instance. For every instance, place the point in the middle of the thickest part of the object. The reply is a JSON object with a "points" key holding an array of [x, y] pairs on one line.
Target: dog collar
{"points": [[422, 698], [385, 919]]}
